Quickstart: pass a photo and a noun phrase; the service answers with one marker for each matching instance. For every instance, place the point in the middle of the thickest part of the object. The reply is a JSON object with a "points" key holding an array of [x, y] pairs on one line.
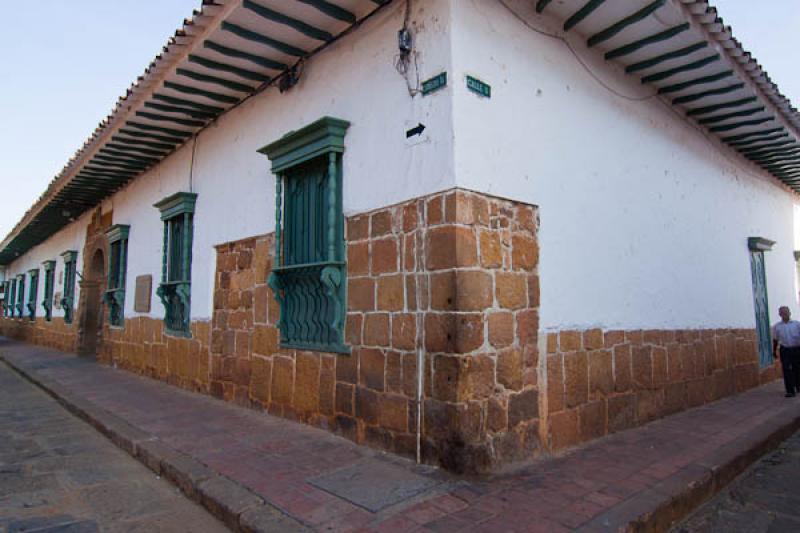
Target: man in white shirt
{"points": [[786, 336]]}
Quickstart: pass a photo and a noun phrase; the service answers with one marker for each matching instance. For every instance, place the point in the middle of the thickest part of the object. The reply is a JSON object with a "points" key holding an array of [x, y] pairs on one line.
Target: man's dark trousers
{"points": [[790, 361]]}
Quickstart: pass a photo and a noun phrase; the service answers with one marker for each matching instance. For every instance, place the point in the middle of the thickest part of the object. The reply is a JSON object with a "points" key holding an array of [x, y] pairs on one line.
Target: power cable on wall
{"points": [[722, 151], [577, 57], [191, 163], [402, 63], [407, 54]]}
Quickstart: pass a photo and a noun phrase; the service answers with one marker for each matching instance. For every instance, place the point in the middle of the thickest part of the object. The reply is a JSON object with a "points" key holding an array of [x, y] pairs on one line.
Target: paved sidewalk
{"points": [[58, 474], [647, 477], [764, 499]]}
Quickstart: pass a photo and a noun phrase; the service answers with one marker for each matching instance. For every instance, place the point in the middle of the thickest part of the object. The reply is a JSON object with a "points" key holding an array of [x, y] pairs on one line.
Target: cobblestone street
{"points": [[58, 474], [765, 498]]}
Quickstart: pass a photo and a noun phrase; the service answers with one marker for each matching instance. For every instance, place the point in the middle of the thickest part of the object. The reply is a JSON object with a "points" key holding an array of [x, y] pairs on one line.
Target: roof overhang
{"points": [[232, 49], [684, 52], [227, 52]]}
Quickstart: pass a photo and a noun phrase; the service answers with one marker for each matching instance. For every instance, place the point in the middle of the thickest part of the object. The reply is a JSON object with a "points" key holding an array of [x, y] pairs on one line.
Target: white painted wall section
{"points": [[644, 222], [353, 79], [72, 237]]}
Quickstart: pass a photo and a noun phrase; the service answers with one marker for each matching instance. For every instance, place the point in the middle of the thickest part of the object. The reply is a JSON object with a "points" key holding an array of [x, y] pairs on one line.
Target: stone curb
{"points": [[234, 504], [663, 505]]}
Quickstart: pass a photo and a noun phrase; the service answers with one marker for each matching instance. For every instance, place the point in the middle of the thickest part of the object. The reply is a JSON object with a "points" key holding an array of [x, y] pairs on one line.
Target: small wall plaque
{"points": [[478, 87], [144, 286], [434, 84]]}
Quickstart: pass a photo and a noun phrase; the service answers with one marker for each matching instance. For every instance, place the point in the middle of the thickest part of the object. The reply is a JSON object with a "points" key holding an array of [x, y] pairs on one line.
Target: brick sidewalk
{"points": [[648, 476]]}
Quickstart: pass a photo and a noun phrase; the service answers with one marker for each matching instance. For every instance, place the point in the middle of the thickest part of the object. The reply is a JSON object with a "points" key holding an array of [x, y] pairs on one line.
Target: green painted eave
{"points": [[117, 232], [176, 204], [320, 137]]}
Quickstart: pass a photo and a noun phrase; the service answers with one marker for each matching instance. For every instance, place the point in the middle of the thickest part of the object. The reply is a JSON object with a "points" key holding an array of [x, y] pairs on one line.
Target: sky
{"points": [[67, 63]]}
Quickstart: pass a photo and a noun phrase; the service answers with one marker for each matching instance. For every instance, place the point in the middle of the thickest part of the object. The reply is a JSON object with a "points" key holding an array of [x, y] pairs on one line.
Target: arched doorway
{"points": [[92, 288]]}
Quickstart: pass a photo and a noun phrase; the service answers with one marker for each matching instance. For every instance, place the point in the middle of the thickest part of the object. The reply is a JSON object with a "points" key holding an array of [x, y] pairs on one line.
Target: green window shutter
{"points": [[49, 277], [12, 295], [20, 295], [177, 213], [33, 290], [176, 227], [118, 263], [309, 278], [757, 246], [8, 302], [68, 296]]}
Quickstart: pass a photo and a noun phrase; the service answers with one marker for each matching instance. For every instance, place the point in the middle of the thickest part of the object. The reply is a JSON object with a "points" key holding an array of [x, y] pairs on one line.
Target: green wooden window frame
{"points": [[12, 291], [68, 296], [117, 266], [174, 291], [757, 246], [20, 295], [309, 279], [49, 278], [6, 296], [33, 292]]}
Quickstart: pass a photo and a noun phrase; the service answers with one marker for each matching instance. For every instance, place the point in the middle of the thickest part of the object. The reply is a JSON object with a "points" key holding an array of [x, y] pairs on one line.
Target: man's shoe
{"points": [[789, 395]]}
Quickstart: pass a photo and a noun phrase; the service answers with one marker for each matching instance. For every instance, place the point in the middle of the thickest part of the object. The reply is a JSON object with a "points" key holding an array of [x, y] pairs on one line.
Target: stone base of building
{"points": [[454, 274], [600, 382], [142, 346], [54, 333]]}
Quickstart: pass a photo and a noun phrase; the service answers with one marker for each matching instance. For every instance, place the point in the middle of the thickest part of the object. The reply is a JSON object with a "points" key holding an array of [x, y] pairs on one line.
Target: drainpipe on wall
{"points": [[420, 351], [407, 54]]}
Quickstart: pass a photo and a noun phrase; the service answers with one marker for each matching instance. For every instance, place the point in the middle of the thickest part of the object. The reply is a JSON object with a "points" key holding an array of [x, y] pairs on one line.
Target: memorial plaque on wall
{"points": [[144, 285]]}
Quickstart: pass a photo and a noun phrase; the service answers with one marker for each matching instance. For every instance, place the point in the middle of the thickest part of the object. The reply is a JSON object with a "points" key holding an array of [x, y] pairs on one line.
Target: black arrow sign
{"points": [[416, 130]]}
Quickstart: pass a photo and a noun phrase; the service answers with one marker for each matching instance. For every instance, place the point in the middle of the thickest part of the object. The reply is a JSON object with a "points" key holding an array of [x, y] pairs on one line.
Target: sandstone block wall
{"points": [[454, 272], [600, 382], [55, 334], [141, 346]]}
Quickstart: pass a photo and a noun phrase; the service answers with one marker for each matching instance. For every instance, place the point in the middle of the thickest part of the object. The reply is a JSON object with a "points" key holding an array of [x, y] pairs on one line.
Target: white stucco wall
{"points": [[71, 237], [353, 79], [644, 222]]}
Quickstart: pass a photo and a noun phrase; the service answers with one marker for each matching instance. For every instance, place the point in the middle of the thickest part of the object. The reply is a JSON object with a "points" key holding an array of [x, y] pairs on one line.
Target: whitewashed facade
{"points": [[643, 214]]}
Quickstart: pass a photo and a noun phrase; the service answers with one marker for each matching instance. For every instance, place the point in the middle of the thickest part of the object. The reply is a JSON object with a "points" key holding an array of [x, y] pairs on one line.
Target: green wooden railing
{"points": [[311, 299], [176, 297]]}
